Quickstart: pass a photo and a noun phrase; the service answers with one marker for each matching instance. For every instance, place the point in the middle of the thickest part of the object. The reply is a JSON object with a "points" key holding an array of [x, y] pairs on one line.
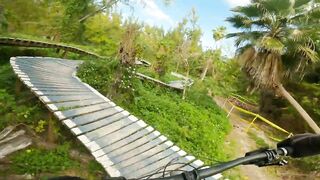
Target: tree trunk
{"points": [[205, 70], [187, 77], [301, 111]]}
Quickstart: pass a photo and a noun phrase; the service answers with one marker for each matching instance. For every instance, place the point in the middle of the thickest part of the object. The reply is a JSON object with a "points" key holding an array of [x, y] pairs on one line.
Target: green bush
{"points": [[35, 161], [99, 74]]}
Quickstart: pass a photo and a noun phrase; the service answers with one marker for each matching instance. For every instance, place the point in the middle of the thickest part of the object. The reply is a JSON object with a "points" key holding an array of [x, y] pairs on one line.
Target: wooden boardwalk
{"points": [[123, 144], [7, 41]]}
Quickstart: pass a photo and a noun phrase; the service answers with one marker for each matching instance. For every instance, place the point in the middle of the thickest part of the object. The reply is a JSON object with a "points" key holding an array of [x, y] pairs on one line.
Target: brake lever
{"points": [[281, 162], [273, 158]]}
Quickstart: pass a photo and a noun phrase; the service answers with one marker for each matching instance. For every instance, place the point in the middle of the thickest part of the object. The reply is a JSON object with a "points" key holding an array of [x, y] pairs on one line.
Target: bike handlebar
{"points": [[264, 157]]}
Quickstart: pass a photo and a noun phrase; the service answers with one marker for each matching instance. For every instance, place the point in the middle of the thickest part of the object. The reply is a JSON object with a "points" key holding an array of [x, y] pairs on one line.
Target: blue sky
{"points": [[211, 13]]}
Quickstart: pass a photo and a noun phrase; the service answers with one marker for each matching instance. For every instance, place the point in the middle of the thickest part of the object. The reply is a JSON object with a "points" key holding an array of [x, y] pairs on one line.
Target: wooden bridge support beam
{"points": [[51, 136], [18, 86], [64, 54]]}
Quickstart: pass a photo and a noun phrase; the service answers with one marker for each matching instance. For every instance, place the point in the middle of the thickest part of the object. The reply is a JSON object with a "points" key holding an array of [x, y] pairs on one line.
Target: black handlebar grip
{"points": [[302, 145]]}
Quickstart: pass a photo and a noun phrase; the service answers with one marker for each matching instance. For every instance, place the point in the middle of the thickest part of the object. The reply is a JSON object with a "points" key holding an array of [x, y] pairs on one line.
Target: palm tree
{"points": [[276, 41]]}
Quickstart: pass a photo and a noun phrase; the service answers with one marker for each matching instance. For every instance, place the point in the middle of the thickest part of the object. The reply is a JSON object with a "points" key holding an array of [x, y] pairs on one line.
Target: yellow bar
{"points": [[260, 117], [240, 97], [251, 123]]}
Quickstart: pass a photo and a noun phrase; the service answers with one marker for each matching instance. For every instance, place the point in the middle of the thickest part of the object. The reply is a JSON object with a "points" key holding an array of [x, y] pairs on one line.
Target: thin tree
{"points": [[218, 34], [275, 42]]}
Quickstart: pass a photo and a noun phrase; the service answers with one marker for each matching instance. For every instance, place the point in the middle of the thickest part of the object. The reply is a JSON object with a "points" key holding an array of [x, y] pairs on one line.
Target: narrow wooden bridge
{"points": [[7, 41], [123, 144]]}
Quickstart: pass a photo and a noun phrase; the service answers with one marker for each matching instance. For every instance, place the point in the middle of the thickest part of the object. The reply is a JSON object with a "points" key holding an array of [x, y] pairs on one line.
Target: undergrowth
{"points": [[196, 124], [35, 161]]}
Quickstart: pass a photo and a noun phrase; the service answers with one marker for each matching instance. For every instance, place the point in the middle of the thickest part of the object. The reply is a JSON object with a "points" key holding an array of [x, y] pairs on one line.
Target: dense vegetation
{"points": [[196, 124]]}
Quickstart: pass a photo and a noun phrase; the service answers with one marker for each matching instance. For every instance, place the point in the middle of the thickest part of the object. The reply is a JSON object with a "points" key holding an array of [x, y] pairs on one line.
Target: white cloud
{"points": [[154, 13], [234, 3]]}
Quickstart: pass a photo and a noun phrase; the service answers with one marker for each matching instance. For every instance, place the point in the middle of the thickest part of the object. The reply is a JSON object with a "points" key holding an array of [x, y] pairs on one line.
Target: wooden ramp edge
{"points": [[123, 144], [7, 41]]}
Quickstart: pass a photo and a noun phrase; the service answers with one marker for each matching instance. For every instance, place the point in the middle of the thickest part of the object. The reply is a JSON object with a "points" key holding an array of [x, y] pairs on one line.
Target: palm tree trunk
{"points": [[300, 110]]}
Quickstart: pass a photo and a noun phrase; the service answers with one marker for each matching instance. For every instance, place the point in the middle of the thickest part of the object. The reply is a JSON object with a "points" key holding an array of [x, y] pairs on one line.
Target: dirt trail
{"points": [[243, 143]]}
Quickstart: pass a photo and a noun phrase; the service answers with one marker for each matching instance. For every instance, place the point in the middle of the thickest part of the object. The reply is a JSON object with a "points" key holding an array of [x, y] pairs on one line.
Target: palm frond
{"points": [[251, 10], [239, 21], [279, 7], [271, 44], [308, 53]]}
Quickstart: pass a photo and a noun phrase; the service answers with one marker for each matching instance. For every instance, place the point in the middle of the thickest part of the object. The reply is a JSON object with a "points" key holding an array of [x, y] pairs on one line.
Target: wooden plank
{"points": [[54, 62], [154, 163], [54, 84], [55, 99], [44, 79], [128, 150], [50, 79], [83, 110], [24, 66], [39, 75], [74, 104], [54, 70], [58, 93], [95, 116], [44, 72], [96, 124], [58, 89], [124, 142], [29, 84], [141, 153], [42, 65], [112, 127], [112, 137], [34, 75]]}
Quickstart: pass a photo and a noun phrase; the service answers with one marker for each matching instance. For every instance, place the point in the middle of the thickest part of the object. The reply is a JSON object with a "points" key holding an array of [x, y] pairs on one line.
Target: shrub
{"points": [[35, 161]]}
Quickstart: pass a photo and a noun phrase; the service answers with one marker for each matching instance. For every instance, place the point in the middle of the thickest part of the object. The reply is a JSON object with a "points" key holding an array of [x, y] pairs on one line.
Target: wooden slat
{"points": [[95, 116], [110, 128], [145, 152], [84, 110], [73, 104], [109, 138], [125, 141], [128, 150], [97, 124]]}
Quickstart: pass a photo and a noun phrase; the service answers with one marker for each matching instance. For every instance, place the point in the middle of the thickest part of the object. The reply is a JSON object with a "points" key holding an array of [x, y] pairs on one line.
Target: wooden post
{"points": [[64, 55], [51, 137], [18, 86]]}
